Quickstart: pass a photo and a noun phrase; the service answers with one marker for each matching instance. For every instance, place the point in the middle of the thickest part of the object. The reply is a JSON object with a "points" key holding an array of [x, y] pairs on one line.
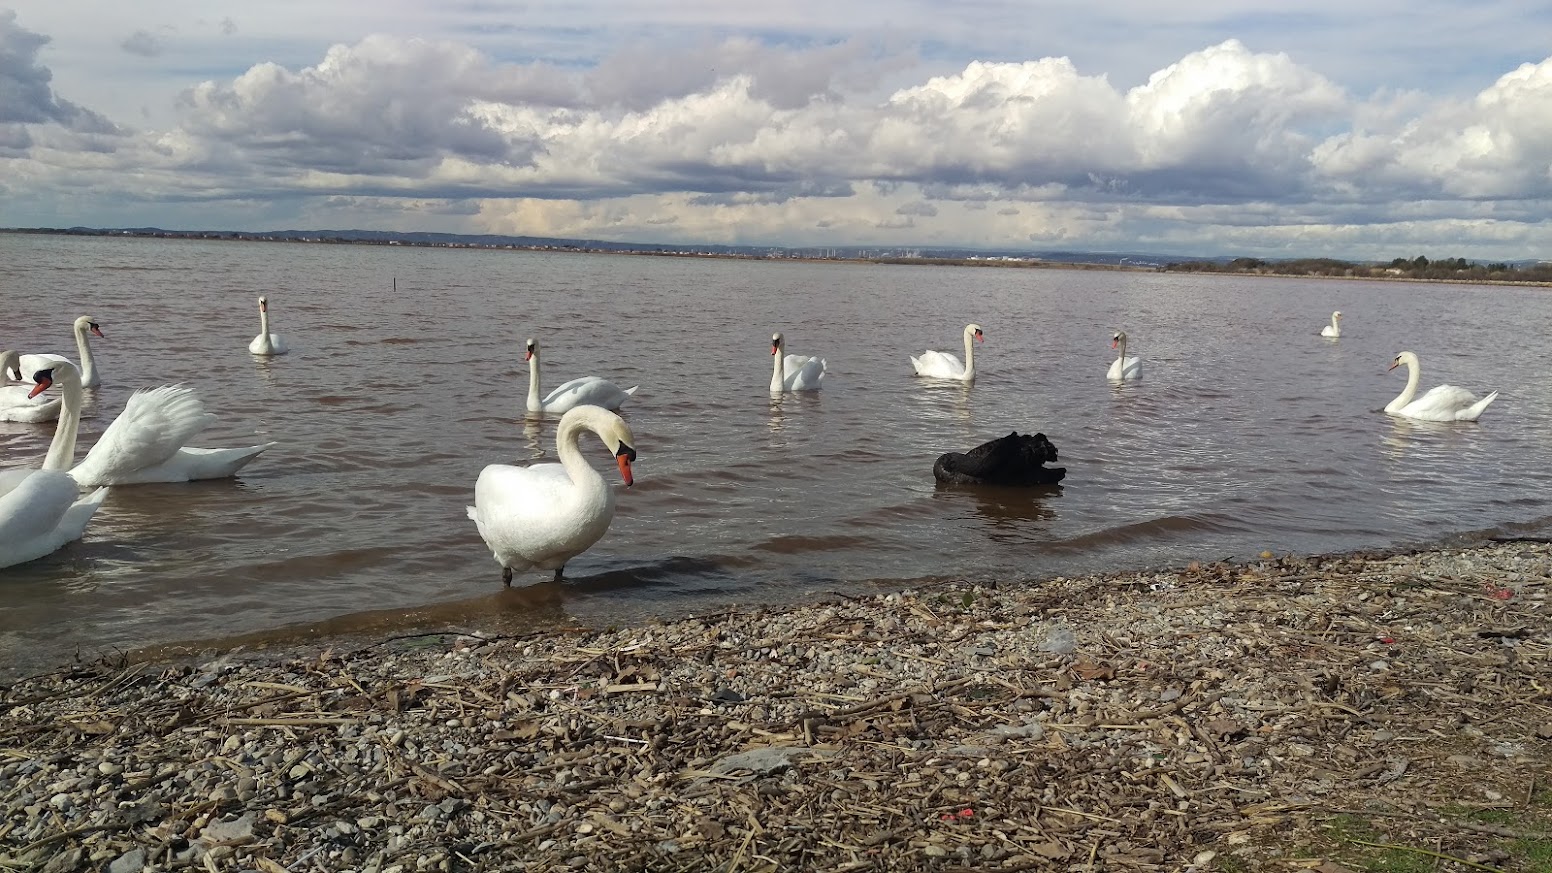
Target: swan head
{"points": [[1120, 337], [1407, 358], [776, 342], [617, 438], [1337, 315], [85, 323], [532, 349], [975, 331], [61, 371], [263, 304]]}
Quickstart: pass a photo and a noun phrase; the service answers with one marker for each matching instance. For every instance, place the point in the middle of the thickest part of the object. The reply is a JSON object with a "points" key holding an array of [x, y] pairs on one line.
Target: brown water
{"points": [[1248, 431]]}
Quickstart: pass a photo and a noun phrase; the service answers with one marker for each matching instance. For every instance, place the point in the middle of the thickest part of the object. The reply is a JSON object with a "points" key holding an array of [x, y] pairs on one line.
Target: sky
{"points": [[1267, 128]]}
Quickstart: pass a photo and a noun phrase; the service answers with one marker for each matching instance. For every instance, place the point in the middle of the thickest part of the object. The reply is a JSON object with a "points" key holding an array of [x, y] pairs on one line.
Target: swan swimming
{"points": [[41, 510], [794, 372], [266, 343], [943, 365], [582, 391], [541, 516], [1334, 329], [1441, 403], [1123, 368], [145, 443]]}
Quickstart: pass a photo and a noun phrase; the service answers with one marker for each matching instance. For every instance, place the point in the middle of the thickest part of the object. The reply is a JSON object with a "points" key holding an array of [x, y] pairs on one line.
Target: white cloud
{"points": [[817, 141]]}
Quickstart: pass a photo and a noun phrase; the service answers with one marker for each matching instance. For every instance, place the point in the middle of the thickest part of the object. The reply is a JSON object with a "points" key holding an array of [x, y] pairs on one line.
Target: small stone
{"points": [[132, 861], [936, 851], [109, 768]]}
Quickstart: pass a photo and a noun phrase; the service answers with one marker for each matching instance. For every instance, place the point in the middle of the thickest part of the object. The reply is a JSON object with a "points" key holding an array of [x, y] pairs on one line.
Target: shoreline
{"points": [[1219, 716]]}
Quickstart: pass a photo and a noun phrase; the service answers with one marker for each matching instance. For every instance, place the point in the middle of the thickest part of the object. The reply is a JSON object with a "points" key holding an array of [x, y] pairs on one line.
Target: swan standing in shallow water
{"points": [[1441, 403], [1334, 329], [41, 510], [583, 391], [145, 442], [1123, 368], [541, 516], [266, 343], [88, 369], [20, 402], [794, 372], [943, 365]]}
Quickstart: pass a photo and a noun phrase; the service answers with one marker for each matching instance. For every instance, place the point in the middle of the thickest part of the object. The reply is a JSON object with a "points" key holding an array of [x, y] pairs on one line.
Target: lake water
{"points": [[1248, 431]]}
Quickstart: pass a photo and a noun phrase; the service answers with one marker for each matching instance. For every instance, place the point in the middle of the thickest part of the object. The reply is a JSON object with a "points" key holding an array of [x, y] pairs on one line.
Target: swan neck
{"points": [[264, 325], [568, 447], [969, 353], [83, 347], [533, 383], [1414, 375], [779, 370], [1121, 348], [61, 453]]}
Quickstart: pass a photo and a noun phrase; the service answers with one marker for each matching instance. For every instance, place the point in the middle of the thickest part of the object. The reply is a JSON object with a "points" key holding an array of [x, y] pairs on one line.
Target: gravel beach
{"points": [[1347, 712]]}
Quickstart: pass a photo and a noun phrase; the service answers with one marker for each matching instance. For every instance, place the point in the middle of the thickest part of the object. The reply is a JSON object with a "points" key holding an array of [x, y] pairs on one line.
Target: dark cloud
{"points": [[143, 43], [919, 207], [26, 96]]}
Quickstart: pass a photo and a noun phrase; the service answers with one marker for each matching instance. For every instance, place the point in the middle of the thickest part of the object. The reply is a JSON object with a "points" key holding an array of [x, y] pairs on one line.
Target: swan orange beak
{"points": [[775, 348], [979, 337], [97, 331], [528, 355], [625, 471], [44, 381], [1114, 343], [1392, 366], [263, 307]]}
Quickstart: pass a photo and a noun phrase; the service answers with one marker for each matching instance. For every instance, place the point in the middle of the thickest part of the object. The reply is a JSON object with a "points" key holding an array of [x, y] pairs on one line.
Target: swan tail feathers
{"points": [[632, 390], [1476, 409]]}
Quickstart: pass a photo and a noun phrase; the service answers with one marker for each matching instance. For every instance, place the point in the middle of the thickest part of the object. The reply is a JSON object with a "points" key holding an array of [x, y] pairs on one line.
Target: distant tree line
{"points": [[1458, 269]]}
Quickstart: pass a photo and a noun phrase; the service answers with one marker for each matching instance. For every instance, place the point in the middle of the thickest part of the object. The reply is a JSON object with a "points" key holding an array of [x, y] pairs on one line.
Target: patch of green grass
{"points": [[1347, 826], [1537, 854], [1399, 861], [1230, 864]]}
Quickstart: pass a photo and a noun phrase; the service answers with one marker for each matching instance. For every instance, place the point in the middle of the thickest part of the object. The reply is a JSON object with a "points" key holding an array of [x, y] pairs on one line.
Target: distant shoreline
{"points": [[563, 248]]}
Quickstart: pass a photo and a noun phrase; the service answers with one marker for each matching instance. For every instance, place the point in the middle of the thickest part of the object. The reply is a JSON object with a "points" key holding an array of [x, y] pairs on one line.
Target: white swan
{"points": [[19, 402], [83, 347], [41, 510], [1333, 329], [943, 365], [145, 442], [794, 372], [1123, 368], [266, 343], [586, 390], [1441, 403], [541, 516]]}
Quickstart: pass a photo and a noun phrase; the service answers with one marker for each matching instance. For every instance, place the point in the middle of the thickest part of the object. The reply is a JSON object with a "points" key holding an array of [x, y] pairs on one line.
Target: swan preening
{"points": [[42, 509], [1334, 329], [583, 391], [1009, 460], [145, 443], [541, 516], [1441, 403], [1123, 368], [20, 402], [266, 343], [794, 372], [943, 365]]}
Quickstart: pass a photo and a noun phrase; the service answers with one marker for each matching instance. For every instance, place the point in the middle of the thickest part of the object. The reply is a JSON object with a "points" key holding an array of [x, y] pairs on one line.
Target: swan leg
{"points": [[506, 576], [559, 570]]}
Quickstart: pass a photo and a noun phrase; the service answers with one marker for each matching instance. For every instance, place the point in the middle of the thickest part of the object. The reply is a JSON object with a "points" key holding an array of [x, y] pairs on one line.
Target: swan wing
{"points": [[942, 365], [15, 405], [41, 513], [587, 390], [804, 373], [1448, 403], [1125, 368], [152, 428]]}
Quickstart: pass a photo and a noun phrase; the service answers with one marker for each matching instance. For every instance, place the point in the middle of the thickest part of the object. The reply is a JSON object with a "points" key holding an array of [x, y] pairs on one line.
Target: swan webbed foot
{"points": [[506, 576], [559, 570]]}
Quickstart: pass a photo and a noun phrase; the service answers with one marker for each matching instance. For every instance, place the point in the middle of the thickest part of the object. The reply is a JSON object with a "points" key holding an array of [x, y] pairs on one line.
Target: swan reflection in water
{"points": [[533, 435], [1016, 515], [943, 400]]}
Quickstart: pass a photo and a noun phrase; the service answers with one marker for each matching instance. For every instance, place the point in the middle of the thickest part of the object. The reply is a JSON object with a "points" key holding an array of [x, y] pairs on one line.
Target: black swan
{"points": [[1009, 460]]}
